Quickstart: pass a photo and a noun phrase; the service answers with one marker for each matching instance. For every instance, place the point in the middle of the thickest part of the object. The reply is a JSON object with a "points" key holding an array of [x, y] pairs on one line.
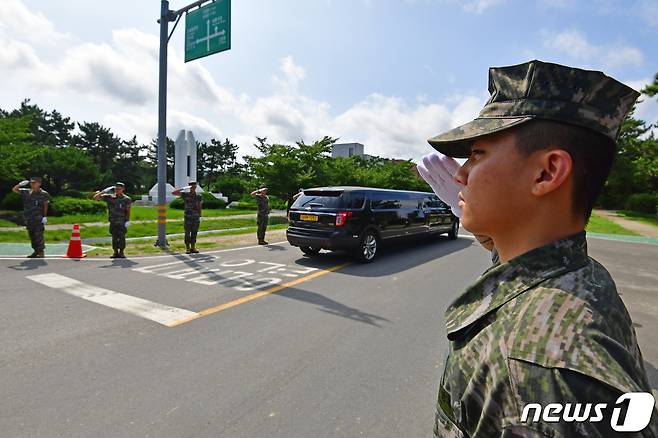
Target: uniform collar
{"points": [[501, 283]]}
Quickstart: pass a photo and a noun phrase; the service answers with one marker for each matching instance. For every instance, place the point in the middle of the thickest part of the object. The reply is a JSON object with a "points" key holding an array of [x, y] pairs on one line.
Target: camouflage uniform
{"points": [[191, 216], [117, 212], [547, 326], [263, 215], [32, 214]]}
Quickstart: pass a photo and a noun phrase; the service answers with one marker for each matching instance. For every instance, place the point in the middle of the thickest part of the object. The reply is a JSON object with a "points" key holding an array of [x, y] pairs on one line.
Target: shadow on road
{"points": [[276, 247], [332, 307], [395, 257], [120, 263], [29, 265]]}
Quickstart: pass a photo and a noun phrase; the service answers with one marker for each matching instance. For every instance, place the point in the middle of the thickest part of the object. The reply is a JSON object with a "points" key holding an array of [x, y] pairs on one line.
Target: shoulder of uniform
{"points": [[127, 197], [45, 192]]}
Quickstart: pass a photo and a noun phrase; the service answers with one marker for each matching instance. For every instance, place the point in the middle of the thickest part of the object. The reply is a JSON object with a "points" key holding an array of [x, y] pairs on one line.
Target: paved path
{"points": [[639, 227], [251, 342]]}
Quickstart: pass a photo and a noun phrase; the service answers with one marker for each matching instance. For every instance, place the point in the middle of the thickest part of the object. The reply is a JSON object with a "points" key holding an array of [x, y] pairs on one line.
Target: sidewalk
{"points": [[639, 227], [103, 224]]}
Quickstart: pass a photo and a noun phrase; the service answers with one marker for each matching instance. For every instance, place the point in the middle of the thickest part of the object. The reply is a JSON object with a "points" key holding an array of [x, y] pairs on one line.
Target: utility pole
{"points": [[166, 16], [162, 126]]}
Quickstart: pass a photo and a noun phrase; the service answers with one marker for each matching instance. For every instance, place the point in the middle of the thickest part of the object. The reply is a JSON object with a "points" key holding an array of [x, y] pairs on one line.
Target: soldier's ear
{"points": [[552, 169]]}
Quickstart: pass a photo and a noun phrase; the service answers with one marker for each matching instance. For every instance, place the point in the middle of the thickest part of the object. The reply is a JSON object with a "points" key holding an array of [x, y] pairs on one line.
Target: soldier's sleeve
{"points": [[24, 193], [536, 384]]}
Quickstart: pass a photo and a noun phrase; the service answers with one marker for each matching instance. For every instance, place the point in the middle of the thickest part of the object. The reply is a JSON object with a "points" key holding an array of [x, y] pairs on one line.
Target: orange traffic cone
{"points": [[75, 244]]}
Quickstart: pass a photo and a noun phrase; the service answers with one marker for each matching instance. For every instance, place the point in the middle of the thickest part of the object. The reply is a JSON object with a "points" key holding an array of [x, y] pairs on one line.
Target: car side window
{"points": [[384, 201]]}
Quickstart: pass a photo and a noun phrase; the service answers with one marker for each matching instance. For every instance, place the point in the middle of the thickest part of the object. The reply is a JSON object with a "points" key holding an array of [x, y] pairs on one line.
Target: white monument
{"points": [[185, 160], [184, 168]]}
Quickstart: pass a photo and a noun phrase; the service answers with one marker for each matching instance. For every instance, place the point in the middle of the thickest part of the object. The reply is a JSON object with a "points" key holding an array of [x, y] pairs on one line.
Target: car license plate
{"points": [[308, 217]]}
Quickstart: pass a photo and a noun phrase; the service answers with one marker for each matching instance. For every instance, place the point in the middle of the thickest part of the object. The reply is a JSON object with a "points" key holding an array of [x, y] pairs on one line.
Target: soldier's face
{"points": [[35, 185], [495, 191], [119, 190]]}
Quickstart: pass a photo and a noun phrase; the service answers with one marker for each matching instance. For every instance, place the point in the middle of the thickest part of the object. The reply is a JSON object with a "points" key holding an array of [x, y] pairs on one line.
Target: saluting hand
{"points": [[439, 171], [44, 220], [24, 183]]}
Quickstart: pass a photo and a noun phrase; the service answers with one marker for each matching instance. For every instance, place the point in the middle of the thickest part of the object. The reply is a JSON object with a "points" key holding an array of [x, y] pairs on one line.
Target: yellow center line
{"points": [[256, 295]]}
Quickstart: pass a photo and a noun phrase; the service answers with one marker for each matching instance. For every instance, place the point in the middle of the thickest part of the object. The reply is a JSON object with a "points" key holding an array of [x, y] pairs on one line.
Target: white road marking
{"points": [[159, 313]]}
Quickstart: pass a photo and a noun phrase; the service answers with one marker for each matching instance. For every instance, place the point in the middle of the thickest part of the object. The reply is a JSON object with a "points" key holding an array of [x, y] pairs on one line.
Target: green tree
{"points": [[63, 168], [47, 128], [286, 168]]}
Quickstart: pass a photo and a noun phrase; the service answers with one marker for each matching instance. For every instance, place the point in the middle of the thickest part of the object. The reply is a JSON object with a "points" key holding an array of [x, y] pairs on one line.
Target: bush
{"points": [[61, 205], [209, 201], [12, 201], [642, 202], [72, 193]]}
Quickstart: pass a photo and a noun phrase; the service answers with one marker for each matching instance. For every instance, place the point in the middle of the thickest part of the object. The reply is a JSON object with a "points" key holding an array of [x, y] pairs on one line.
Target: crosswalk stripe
{"points": [[165, 315]]}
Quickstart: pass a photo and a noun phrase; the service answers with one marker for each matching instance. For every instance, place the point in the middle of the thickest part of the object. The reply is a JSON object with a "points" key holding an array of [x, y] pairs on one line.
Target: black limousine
{"points": [[358, 219]]}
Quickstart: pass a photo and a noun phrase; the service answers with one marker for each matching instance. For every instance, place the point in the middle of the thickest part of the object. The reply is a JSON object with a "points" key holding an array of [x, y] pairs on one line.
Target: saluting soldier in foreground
{"points": [[192, 215], [545, 324], [118, 212], [35, 212], [263, 214]]}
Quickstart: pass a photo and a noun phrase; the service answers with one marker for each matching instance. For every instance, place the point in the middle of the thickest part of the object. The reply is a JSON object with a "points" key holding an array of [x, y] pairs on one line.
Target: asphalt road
{"points": [[255, 342]]}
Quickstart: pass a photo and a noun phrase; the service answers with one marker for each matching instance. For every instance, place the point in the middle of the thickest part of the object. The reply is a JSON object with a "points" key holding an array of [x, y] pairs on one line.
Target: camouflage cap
{"points": [[35, 179], [542, 90], [119, 184], [192, 183]]}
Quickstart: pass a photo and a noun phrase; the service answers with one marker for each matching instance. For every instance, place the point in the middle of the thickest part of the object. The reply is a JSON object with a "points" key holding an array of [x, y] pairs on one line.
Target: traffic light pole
{"points": [[166, 16]]}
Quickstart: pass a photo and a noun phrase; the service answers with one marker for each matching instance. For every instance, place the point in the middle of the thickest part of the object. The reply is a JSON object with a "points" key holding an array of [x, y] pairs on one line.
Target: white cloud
{"points": [[575, 45], [21, 23]]}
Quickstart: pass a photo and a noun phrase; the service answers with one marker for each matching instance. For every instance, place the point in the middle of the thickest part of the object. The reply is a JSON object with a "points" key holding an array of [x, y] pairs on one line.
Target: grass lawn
{"points": [[136, 230], [139, 212], [598, 224], [6, 223], [645, 218]]}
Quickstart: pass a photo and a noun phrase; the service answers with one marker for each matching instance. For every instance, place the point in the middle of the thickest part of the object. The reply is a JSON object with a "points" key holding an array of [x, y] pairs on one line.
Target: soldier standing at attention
{"points": [[263, 216], [35, 212], [545, 324], [118, 212], [192, 215]]}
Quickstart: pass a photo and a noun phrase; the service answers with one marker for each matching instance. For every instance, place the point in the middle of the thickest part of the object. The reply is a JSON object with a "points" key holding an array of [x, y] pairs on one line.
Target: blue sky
{"points": [[387, 73]]}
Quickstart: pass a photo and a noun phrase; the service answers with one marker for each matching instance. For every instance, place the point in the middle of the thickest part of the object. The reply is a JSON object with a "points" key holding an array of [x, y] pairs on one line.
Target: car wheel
{"points": [[368, 248], [454, 230], [310, 250]]}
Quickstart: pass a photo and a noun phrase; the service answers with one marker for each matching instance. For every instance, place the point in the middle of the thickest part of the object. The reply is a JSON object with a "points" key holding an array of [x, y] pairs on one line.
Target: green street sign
{"points": [[208, 30]]}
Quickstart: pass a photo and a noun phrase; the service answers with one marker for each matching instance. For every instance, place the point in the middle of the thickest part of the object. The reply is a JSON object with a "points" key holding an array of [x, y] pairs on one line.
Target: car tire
{"points": [[310, 250], [454, 231], [368, 247]]}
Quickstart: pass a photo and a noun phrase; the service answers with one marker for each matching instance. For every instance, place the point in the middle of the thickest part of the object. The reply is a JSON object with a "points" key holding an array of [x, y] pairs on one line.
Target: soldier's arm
{"points": [[255, 193], [176, 192], [200, 207], [98, 194], [45, 208], [17, 187]]}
